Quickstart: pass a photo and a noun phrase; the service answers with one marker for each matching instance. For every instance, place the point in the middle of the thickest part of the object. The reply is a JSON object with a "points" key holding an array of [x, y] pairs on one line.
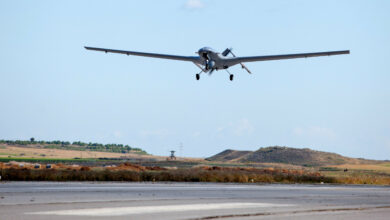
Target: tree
{"points": [[32, 140]]}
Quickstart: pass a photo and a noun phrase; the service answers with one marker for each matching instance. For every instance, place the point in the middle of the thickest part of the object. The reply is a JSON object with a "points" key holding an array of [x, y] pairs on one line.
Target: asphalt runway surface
{"points": [[113, 200]]}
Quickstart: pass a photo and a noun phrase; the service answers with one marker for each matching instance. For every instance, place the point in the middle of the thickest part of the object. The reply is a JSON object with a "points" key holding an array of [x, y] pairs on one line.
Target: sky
{"points": [[51, 88]]}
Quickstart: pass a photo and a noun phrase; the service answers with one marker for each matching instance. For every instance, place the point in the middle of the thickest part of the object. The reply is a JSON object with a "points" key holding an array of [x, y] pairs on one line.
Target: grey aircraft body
{"points": [[209, 60]]}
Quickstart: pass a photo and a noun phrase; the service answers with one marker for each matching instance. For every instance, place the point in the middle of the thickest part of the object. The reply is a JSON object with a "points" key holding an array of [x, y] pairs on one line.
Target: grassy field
{"points": [[382, 167], [48, 160], [359, 173], [20, 153], [37, 152]]}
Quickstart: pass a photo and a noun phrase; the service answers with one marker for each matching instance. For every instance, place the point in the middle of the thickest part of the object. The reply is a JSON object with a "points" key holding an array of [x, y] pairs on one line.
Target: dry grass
{"points": [[37, 152], [180, 175], [383, 167], [361, 174], [130, 172], [360, 177], [364, 179]]}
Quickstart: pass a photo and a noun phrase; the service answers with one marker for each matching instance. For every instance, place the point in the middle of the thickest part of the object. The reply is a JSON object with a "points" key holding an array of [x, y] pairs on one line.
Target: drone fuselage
{"points": [[212, 60]]}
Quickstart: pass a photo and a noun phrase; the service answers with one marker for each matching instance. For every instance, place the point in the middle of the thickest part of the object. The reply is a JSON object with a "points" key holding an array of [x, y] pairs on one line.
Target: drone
{"points": [[208, 60]]}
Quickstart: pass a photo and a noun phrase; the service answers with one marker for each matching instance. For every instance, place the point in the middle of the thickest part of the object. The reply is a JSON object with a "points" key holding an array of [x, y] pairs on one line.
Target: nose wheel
{"points": [[197, 76], [231, 76]]}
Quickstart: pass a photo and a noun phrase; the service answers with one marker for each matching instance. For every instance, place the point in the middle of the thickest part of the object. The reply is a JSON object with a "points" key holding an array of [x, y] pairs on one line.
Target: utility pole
{"points": [[181, 149]]}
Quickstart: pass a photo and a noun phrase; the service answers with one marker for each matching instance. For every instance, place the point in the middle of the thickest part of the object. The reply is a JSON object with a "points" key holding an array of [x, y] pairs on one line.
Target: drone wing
{"points": [[194, 59], [287, 56]]}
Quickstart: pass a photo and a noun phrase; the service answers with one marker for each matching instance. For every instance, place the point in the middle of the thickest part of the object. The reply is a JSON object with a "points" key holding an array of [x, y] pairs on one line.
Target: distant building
{"points": [[172, 156]]}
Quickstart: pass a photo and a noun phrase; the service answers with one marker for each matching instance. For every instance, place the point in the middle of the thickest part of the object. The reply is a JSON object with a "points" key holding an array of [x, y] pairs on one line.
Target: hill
{"points": [[229, 155], [287, 155]]}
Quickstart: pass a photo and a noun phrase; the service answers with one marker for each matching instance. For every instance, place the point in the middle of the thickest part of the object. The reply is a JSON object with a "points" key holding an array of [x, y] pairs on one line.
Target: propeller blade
{"points": [[226, 52], [211, 71]]}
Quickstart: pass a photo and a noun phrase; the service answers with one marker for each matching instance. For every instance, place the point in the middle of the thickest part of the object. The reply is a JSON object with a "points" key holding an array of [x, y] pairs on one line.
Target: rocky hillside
{"points": [[229, 155], [276, 154]]}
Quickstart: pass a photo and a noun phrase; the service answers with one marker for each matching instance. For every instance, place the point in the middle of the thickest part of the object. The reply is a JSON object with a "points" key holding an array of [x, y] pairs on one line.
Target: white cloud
{"points": [[194, 4], [314, 131], [238, 128], [243, 127]]}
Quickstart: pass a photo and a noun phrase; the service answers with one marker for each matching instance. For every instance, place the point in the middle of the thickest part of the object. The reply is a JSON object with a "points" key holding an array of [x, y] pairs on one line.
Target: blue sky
{"points": [[51, 88]]}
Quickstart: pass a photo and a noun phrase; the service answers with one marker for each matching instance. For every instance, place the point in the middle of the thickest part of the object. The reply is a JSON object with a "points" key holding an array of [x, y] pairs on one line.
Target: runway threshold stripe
{"points": [[119, 211]]}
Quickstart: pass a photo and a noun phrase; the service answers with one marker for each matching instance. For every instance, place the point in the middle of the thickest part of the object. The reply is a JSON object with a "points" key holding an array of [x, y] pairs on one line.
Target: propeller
{"points": [[229, 50]]}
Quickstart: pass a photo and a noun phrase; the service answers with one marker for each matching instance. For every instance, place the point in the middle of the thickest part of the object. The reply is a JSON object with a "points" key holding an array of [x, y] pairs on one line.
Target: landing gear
{"points": [[197, 76], [231, 76]]}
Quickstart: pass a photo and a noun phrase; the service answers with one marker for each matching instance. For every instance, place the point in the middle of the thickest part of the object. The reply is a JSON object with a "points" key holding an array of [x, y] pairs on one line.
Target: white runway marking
{"points": [[118, 211]]}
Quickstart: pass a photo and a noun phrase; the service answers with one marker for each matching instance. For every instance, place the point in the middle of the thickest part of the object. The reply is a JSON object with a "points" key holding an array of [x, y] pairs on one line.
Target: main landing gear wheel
{"points": [[197, 76], [231, 77]]}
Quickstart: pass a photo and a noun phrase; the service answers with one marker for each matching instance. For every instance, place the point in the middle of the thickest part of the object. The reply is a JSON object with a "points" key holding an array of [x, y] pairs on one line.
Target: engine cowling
{"points": [[210, 64]]}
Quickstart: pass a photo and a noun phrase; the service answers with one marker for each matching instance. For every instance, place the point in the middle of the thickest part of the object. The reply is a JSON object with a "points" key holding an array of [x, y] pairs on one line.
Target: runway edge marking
{"points": [[119, 211]]}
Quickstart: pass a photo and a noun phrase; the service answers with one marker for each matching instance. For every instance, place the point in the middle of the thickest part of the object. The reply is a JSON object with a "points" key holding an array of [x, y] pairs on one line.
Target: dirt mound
{"points": [[286, 155], [133, 167], [229, 155]]}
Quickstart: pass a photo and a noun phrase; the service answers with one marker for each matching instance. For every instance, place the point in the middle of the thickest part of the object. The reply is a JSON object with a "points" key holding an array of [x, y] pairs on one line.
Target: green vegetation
{"points": [[77, 145], [8, 154], [47, 160]]}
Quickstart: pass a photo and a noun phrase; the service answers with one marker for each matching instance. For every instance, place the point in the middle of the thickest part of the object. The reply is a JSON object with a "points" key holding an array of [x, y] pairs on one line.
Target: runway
{"points": [[109, 200]]}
